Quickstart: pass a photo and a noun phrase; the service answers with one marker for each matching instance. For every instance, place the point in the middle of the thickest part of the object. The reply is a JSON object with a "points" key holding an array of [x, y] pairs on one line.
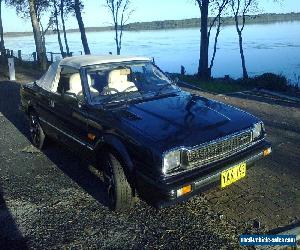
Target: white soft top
{"points": [[50, 79], [88, 60]]}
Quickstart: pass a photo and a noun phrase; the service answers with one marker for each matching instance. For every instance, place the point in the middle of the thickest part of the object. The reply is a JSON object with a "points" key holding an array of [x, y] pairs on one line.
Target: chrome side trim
{"points": [[66, 134]]}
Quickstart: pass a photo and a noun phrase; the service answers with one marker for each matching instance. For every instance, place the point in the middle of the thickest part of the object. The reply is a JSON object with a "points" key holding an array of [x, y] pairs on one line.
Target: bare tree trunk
{"points": [[239, 31], [120, 11], [57, 30], [2, 47], [81, 27], [121, 36], [64, 26], [203, 70], [215, 44], [40, 48], [245, 73], [117, 39], [235, 10]]}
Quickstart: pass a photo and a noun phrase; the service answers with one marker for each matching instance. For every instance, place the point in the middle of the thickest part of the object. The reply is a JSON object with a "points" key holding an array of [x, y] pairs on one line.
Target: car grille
{"points": [[219, 150]]}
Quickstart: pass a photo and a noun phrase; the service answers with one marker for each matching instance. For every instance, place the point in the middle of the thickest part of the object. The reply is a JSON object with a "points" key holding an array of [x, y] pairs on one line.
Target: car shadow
{"points": [[80, 171], [10, 236]]}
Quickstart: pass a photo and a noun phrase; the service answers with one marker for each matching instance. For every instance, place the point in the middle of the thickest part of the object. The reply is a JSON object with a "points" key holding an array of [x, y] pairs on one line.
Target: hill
{"points": [[181, 24]]}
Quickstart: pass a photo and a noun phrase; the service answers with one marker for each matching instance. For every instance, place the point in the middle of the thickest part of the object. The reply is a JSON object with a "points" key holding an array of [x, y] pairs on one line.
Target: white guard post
{"points": [[11, 68]]}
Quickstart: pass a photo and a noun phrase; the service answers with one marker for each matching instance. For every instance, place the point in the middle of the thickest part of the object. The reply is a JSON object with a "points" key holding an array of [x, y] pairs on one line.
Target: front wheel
{"points": [[37, 134], [119, 191]]}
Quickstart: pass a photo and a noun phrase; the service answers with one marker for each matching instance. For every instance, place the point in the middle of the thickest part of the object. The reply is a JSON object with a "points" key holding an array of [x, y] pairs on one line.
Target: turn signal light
{"points": [[184, 190], [91, 137], [267, 151]]}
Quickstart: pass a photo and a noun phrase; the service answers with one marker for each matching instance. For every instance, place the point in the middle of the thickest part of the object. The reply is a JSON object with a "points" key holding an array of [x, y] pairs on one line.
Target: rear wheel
{"points": [[36, 132], [119, 191]]}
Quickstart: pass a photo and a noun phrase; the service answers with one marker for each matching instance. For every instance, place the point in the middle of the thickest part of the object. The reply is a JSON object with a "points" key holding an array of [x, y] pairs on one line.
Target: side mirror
{"points": [[176, 80], [173, 79], [73, 96]]}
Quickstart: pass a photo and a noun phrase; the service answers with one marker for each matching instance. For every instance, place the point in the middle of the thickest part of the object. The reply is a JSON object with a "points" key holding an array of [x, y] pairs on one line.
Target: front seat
{"points": [[75, 84], [118, 82]]}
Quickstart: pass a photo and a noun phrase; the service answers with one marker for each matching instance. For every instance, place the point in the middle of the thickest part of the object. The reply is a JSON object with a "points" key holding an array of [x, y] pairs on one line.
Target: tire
{"points": [[119, 191], [37, 134]]}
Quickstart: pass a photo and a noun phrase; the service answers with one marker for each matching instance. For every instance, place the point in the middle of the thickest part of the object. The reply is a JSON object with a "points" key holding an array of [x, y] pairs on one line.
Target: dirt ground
{"points": [[52, 199]]}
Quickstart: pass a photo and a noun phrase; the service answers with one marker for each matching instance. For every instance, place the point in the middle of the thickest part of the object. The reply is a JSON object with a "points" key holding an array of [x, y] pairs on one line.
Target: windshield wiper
{"points": [[126, 98], [114, 97], [162, 88]]}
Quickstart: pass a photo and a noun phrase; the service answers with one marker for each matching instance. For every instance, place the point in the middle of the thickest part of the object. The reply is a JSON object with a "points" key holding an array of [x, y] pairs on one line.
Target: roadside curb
{"points": [[291, 98]]}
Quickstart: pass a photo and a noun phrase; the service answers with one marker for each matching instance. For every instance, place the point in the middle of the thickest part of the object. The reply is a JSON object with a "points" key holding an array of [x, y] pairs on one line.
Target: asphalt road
{"points": [[52, 199]]}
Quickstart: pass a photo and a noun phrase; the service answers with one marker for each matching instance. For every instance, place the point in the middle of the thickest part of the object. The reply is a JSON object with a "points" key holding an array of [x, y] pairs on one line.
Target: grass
{"points": [[220, 86], [227, 85]]}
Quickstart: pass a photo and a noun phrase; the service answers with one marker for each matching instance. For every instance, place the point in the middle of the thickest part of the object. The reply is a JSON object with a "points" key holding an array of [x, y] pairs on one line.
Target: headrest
{"points": [[75, 79], [119, 74]]}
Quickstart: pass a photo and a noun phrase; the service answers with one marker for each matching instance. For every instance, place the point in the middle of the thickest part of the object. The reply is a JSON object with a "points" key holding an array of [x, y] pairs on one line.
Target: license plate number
{"points": [[233, 174]]}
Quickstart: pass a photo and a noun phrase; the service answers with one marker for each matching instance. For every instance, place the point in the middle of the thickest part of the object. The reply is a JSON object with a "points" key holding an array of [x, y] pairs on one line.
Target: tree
{"points": [[2, 47], [121, 11], [33, 9], [41, 6], [57, 29], [77, 6], [240, 8], [39, 44], [218, 7], [203, 71], [62, 17]]}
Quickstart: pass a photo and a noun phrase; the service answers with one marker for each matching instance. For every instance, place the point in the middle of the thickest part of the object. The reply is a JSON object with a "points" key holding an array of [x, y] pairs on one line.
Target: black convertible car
{"points": [[150, 138]]}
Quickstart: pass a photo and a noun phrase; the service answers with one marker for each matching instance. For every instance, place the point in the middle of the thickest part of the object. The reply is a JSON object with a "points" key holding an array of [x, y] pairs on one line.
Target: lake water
{"points": [[268, 48]]}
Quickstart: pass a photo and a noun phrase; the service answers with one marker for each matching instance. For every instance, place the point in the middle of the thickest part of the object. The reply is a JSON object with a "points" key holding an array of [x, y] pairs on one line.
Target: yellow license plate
{"points": [[233, 174]]}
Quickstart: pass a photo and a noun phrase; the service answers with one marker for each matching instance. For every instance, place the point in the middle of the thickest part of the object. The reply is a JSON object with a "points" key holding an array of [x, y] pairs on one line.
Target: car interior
{"points": [[110, 82], [100, 82]]}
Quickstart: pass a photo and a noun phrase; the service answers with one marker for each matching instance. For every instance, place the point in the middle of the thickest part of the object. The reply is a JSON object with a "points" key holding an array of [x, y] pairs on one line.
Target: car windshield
{"points": [[124, 81]]}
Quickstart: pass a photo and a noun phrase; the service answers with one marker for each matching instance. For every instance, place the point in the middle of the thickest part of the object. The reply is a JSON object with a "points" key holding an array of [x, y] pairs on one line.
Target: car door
{"points": [[45, 107], [70, 109]]}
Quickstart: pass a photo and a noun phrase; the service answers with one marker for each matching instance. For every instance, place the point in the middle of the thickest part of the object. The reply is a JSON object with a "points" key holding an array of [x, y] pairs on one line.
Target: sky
{"points": [[95, 14]]}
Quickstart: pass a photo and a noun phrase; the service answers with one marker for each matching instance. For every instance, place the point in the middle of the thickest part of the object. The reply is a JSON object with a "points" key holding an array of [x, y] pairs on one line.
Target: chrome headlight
{"points": [[257, 130], [171, 161]]}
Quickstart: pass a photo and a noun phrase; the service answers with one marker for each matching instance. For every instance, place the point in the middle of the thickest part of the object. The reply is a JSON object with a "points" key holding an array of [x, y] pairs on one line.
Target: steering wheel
{"points": [[131, 87], [110, 90]]}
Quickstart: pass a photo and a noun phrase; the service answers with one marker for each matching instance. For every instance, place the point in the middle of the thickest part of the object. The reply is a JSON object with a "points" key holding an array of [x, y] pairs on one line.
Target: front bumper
{"points": [[164, 193]]}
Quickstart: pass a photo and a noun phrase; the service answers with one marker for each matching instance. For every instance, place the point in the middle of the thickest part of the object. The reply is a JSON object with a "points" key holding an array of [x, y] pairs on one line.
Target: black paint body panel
{"points": [[141, 131]]}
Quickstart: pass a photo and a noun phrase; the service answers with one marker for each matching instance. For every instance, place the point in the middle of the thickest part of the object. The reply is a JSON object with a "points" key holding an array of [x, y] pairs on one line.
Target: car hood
{"points": [[185, 120]]}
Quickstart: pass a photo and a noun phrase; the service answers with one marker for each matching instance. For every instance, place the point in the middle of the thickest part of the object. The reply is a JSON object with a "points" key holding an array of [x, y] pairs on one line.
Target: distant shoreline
{"points": [[177, 24]]}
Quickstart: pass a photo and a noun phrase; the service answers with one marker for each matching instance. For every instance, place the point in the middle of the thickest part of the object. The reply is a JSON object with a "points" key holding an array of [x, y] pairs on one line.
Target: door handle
{"points": [[51, 103]]}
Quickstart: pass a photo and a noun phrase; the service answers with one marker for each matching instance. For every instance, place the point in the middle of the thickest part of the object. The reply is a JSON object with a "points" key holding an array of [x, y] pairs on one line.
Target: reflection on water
{"points": [[268, 48]]}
